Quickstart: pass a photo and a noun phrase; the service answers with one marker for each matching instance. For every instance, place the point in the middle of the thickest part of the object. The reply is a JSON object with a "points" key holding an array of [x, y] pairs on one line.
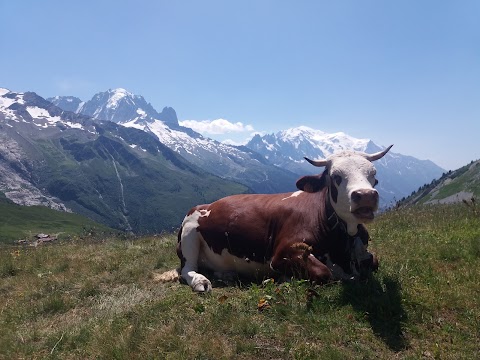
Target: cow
{"points": [[315, 233]]}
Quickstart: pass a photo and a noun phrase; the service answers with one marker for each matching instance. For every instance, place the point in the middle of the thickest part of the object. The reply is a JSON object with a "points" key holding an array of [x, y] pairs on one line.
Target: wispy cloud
{"points": [[216, 127]]}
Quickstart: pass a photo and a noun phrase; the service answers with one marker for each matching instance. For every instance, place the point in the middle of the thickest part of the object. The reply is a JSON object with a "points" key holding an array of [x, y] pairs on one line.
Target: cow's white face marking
{"points": [[294, 194], [351, 174]]}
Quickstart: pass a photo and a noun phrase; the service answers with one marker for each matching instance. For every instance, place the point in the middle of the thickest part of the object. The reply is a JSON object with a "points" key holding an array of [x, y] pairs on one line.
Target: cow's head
{"points": [[350, 178]]}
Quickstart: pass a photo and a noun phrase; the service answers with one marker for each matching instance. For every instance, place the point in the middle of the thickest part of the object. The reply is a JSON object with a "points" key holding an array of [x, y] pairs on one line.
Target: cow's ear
{"points": [[312, 183]]}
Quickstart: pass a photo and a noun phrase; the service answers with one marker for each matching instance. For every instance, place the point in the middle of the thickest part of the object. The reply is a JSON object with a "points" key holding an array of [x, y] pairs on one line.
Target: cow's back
{"points": [[249, 225]]}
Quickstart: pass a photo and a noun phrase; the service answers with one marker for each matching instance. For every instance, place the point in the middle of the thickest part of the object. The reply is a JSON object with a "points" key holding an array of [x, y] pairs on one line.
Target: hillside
{"points": [[122, 177], [455, 186], [238, 164], [86, 300], [24, 222]]}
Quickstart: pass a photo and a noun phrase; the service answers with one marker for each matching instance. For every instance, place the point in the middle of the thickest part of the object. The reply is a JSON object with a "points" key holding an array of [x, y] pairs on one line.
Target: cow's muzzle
{"points": [[364, 202]]}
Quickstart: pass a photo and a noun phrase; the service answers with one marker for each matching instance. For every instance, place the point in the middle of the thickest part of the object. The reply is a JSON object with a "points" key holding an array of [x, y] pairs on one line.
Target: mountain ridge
{"points": [[277, 156], [225, 161], [398, 174]]}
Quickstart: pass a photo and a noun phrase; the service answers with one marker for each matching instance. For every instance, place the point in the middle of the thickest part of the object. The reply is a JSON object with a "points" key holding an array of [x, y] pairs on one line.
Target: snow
{"points": [[19, 98], [181, 142], [37, 112], [134, 124], [118, 94], [5, 102], [326, 143], [80, 107], [142, 113], [268, 146], [73, 125], [43, 119]]}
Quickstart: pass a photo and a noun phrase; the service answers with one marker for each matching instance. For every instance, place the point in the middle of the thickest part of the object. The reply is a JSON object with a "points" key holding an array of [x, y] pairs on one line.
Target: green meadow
{"points": [[24, 222], [83, 298]]}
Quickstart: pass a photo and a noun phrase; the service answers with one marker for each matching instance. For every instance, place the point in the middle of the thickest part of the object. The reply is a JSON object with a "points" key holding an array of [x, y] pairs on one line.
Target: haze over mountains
{"points": [[119, 161]]}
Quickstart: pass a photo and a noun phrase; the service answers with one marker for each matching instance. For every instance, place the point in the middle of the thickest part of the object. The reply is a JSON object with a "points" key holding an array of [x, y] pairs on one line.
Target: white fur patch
{"points": [[295, 194], [192, 219], [191, 247], [205, 213], [226, 262], [357, 173]]}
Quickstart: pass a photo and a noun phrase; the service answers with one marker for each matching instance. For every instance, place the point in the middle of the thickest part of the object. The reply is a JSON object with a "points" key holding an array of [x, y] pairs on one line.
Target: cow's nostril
{"points": [[364, 195], [356, 196]]}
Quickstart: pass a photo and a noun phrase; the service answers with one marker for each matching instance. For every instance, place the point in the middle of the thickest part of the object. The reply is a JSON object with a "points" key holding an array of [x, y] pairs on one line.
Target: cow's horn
{"points": [[378, 155], [318, 163]]}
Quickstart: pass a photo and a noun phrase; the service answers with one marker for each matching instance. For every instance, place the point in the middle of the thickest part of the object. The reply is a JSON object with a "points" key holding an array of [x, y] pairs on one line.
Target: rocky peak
{"points": [[67, 103]]}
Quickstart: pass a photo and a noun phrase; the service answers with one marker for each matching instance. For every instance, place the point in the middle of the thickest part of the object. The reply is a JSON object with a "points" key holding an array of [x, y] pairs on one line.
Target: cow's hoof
{"points": [[202, 286]]}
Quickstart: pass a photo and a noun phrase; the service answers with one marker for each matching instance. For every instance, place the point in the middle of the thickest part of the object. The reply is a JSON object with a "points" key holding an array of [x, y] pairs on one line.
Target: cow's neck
{"points": [[335, 223]]}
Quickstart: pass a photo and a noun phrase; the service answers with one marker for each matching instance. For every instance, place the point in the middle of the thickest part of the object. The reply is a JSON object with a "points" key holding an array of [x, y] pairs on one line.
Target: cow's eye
{"points": [[376, 182], [337, 179]]}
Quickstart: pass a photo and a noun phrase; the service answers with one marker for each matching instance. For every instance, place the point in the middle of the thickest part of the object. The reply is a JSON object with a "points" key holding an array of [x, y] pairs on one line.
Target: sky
{"points": [[396, 72]]}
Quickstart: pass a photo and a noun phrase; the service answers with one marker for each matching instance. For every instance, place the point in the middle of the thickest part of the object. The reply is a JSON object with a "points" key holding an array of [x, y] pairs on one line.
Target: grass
{"points": [[24, 222], [96, 299]]}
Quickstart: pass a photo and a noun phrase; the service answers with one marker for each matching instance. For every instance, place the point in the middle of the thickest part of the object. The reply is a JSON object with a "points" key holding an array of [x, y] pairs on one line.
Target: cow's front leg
{"points": [[368, 262], [364, 262], [297, 260], [189, 250]]}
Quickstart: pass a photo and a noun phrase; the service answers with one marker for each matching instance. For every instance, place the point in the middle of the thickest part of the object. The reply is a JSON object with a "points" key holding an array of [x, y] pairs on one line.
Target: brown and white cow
{"points": [[315, 233]]}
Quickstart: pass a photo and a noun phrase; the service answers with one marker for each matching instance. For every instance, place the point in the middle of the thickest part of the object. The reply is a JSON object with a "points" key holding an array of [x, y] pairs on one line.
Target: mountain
{"points": [[267, 164], [117, 105], [68, 103], [398, 174], [236, 163], [119, 176], [454, 186]]}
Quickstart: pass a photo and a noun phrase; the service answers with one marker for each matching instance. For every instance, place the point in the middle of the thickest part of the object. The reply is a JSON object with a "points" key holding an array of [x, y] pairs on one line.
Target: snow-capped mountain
{"points": [[287, 148], [229, 162], [117, 105], [269, 163], [120, 176], [67, 103], [398, 174]]}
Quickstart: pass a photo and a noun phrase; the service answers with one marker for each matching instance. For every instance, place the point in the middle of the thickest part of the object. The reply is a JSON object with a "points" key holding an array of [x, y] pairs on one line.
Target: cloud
{"points": [[216, 127]]}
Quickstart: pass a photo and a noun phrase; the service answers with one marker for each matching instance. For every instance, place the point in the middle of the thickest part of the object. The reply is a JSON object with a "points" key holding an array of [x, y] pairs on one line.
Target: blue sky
{"points": [[401, 72]]}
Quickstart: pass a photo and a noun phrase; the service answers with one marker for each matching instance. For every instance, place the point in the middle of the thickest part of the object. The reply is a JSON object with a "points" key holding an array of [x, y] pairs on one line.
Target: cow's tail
{"points": [[167, 276]]}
